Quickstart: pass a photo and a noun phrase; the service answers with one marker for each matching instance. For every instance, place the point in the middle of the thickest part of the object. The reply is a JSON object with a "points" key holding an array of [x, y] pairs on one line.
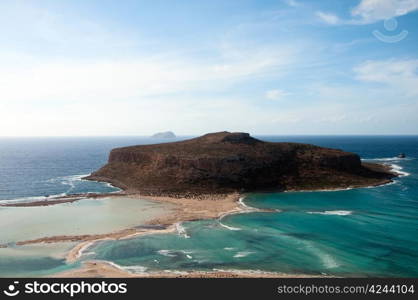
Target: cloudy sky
{"points": [[135, 67]]}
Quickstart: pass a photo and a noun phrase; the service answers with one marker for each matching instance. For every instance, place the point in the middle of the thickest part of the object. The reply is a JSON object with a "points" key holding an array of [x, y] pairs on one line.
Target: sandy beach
{"points": [[100, 269], [181, 209]]}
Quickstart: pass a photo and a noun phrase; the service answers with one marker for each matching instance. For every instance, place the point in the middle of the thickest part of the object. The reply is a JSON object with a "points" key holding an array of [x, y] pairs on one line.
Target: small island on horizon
{"points": [[164, 135]]}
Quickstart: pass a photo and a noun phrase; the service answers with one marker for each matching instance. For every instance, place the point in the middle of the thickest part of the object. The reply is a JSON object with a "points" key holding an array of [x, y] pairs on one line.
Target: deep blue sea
{"points": [[359, 232]]}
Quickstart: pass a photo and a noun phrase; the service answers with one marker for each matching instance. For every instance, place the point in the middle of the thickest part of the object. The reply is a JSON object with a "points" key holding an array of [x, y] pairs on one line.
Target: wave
{"points": [[130, 269], [243, 254], [33, 199], [229, 248], [168, 253], [181, 230], [174, 253], [326, 259], [70, 180], [332, 212], [320, 190], [391, 162], [82, 250], [246, 209], [398, 169], [395, 158], [229, 227]]}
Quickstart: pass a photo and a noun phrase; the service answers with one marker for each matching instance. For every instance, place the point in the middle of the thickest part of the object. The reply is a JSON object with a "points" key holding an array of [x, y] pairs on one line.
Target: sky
{"points": [[136, 67]]}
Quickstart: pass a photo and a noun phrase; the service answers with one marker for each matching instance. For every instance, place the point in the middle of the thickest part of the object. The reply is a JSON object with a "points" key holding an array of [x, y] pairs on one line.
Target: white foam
{"points": [[130, 269], [176, 272], [69, 180], [326, 259], [84, 248], [321, 190], [243, 254], [32, 199], [241, 201], [168, 253], [332, 212], [229, 227], [398, 169], [394, 167], [395, 158], [181, 230], [135, 269], [229, 248], [65, 180]]}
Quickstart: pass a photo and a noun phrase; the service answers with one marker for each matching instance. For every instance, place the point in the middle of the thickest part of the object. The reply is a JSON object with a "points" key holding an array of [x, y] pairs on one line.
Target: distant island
{"points": [[164, 135], [226, 162]]}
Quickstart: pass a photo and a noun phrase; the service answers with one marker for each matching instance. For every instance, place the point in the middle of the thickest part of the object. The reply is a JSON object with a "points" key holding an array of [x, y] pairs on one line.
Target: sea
{"points": [[365, 232]]}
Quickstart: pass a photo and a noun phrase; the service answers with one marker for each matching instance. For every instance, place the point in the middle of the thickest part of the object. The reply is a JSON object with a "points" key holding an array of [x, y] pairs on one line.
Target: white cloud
{"points": [[130, 96], [328, 18], [398, 75], [132, 77], [276, 94], [371, 11]]}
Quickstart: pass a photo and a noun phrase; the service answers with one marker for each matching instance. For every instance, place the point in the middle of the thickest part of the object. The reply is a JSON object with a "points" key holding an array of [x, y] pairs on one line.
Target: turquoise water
{"points": [[361, 232], [35, 260]]}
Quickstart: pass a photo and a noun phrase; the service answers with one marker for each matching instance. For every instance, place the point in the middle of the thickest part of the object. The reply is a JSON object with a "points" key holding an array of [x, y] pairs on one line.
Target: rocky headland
{"points": [[225, 162]]}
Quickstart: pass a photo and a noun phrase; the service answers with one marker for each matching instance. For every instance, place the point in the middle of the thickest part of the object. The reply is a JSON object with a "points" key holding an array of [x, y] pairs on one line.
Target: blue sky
{"points": [[79, 68]]}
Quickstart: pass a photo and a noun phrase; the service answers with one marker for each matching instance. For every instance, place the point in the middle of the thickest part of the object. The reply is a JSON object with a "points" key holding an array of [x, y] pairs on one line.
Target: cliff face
{"points": [[224, 162]]}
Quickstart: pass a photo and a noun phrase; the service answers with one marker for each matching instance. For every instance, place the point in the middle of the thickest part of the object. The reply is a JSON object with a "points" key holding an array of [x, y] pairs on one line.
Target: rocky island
{"points": [[225, 162], [164, 135]]}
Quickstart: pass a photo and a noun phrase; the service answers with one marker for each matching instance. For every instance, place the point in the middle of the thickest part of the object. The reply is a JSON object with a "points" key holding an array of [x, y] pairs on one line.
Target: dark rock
{"points": [[225, 162]]}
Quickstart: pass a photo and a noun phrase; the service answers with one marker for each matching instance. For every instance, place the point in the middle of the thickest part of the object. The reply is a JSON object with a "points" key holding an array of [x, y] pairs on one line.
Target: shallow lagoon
{"points": [[87, 216]]}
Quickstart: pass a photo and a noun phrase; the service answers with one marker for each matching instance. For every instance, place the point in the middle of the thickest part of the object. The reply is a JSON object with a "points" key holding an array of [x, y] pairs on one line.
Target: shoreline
{"points": [[394, 170], [183, 210], [104, 269], [209, 206]]}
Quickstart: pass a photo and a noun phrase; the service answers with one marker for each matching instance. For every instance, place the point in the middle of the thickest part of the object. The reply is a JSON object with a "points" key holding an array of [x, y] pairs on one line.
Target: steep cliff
{"points": [[224, 162]]}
